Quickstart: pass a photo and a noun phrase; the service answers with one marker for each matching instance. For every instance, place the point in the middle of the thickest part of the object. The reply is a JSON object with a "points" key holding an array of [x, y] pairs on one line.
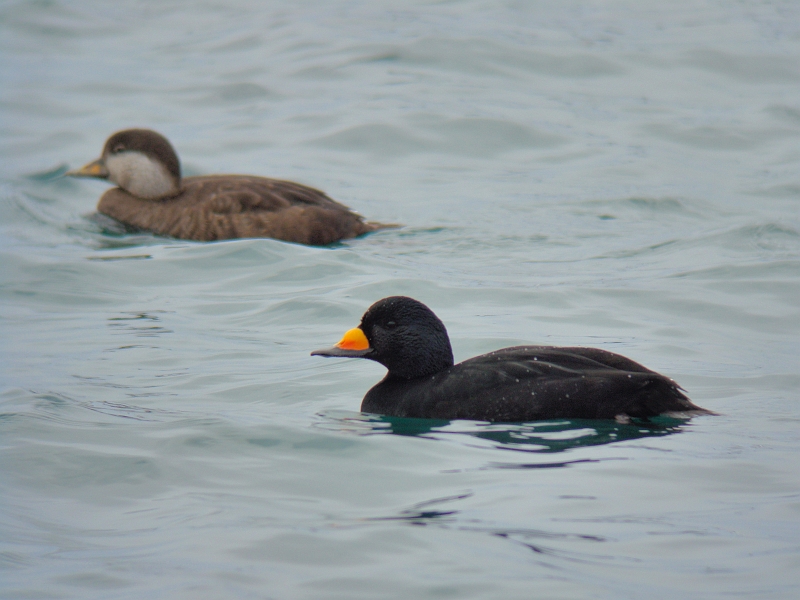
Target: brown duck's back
{"points": [[220, 207]]}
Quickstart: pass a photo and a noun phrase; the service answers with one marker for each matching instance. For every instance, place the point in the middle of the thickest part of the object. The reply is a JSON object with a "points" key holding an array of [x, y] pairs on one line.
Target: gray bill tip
{"points": [[341, 352]]}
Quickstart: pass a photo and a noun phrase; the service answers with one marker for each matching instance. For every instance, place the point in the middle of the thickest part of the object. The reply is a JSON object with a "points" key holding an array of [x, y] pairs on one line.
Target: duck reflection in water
{"points": [[545, 437]]}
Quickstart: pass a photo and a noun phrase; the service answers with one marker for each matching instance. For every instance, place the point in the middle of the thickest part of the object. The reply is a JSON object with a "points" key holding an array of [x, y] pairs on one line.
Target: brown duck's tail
{"points": [[370, 226]]}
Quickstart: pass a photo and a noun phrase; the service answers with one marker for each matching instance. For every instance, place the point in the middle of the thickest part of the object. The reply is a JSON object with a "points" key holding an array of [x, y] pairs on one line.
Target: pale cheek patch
{"points": [[142, 177]]}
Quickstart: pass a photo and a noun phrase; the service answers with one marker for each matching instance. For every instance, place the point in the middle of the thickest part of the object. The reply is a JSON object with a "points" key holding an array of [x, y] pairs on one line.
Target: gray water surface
{"points": [[623, 175]]}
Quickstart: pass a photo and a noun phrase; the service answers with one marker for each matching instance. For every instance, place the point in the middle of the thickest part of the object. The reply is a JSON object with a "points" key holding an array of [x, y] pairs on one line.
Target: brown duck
{"points": [[153, 196]]}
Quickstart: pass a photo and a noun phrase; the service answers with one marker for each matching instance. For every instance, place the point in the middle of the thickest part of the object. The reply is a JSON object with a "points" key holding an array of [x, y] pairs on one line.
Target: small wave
{"points": [[50, 174], [466, 137], [750, 69], [774, 238], [484, 57], [232, 93], [611, 208], [710, 137]]}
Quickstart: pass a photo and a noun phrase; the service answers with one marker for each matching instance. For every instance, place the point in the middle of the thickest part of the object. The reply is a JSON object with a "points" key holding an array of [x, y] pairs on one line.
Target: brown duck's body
{"points": [[153, 196], [221, 207]]}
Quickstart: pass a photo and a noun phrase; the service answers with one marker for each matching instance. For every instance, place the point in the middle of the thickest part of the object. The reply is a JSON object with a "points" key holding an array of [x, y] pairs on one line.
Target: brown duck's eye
{"points": [[117, 149]]}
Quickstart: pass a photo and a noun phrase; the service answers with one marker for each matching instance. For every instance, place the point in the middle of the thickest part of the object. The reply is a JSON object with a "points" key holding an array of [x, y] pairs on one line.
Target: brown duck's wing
{"points": [[235, 193], [219, 207]]}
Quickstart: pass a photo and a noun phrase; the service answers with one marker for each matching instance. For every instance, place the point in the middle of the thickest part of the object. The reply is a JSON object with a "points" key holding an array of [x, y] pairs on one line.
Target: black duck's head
{"points": [[400, 333], [140, 161]]}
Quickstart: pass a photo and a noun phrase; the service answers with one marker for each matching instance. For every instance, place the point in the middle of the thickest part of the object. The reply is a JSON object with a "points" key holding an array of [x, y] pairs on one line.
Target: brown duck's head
{"points": [[140, 161]]}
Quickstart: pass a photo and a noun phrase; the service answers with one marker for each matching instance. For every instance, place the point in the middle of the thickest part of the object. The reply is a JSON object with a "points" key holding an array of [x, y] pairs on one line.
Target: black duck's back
{"points": [[529, 383]]}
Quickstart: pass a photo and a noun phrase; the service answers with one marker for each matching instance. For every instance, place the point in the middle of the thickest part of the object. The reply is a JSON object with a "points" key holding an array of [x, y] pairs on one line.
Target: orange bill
{"points": [[353, 340], [353, 344]]}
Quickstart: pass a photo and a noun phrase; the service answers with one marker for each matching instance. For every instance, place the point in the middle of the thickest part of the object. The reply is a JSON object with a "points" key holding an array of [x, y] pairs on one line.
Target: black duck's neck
{"points": [[420, 360]]}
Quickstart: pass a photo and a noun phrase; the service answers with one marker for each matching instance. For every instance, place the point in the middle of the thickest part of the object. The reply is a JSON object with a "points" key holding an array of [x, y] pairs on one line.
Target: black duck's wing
{"points": [[531, 383]]}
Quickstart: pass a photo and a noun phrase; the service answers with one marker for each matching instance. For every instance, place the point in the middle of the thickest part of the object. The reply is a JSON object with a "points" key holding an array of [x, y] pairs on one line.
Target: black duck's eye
{"points": [[391, 325]]}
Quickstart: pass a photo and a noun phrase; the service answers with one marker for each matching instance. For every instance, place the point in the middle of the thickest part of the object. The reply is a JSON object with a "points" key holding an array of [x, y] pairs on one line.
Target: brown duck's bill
{"points": [[96, 168], [354, 344]]}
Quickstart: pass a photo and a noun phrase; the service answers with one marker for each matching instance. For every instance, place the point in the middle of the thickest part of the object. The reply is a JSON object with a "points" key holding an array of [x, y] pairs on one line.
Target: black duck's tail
{"points": [[662, 396]]}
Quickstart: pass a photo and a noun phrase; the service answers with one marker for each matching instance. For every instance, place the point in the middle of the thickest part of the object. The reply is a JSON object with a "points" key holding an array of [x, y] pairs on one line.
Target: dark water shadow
{"points": [[427, 512], [448, 512], [540, 437]]}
